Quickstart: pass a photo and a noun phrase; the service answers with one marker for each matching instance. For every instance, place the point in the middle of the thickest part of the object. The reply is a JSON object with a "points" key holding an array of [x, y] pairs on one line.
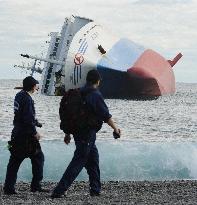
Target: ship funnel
{"points": [[101, 49], [175, 60]]}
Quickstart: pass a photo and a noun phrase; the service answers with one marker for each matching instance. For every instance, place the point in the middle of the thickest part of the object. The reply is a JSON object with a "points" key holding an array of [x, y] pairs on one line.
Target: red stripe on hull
{"points": [[153, 66]]}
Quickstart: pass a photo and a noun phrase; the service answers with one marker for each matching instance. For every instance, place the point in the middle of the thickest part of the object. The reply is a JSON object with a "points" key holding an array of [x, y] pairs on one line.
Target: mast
{"points": [[33, 69]]}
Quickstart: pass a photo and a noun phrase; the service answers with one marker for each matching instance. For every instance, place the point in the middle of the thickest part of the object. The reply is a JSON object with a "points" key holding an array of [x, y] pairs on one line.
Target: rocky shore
{"points": [[144, 192]]}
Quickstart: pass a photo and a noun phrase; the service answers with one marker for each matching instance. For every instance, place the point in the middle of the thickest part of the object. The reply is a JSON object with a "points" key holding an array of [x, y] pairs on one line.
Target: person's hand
{"points": [[67, 138], [37, 136], [116, 133]]}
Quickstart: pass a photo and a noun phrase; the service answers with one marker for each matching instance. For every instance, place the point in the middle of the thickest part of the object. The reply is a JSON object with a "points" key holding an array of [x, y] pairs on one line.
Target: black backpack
{"points": [[75, 115]]}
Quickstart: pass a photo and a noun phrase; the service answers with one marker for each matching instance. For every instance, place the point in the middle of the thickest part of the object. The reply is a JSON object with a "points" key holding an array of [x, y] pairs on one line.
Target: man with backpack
{"points": [[92, 113], [25, 139]]}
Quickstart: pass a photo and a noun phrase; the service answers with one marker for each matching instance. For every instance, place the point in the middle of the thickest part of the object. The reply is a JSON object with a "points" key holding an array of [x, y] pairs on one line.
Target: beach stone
{"points": [[113, 192]]}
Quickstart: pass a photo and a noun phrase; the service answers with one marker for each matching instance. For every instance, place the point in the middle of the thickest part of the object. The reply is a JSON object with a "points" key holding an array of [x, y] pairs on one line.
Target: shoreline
{"points": [[113, 192]]}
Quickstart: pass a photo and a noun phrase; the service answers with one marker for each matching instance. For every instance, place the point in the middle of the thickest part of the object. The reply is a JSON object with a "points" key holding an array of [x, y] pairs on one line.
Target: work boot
{"points": [[33, 189], [9, 191], [94, 193], [56, 195]]}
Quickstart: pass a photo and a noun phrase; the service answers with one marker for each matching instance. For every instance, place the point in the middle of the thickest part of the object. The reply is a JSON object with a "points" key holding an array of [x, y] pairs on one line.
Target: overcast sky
{"points": [[166, 26]]}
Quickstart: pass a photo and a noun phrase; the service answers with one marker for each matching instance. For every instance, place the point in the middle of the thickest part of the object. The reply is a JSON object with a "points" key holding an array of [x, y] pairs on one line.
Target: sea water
{"points": [[158, 137]]}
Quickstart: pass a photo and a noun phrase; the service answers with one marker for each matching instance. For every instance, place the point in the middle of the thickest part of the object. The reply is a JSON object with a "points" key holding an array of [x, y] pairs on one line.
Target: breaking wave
{"points": [[125, 161]]}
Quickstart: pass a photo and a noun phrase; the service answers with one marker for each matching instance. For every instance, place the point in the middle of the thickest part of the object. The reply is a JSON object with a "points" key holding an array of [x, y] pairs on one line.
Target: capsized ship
{"points": [[128, 70]]}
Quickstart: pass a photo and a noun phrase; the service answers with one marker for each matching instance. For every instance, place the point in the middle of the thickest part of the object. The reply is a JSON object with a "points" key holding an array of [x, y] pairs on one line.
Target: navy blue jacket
{"points": [[96, 101], [24, 114]]}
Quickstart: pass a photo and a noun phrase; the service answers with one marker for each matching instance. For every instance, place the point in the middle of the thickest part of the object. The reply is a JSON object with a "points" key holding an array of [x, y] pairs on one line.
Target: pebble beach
{"points": [[113, 192]]}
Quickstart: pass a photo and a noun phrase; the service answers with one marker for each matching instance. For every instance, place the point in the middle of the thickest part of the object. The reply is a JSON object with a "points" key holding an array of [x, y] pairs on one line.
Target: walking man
{"points": [[25, 139], [86, 153]]}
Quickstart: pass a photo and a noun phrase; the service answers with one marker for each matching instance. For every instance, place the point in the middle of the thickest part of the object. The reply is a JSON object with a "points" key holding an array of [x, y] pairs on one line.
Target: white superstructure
{"points": [[53, 76]]}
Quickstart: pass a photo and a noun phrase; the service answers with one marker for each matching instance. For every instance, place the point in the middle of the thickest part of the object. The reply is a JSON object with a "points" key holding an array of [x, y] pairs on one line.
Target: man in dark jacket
{"points": [[25, 139], [86, 153]]}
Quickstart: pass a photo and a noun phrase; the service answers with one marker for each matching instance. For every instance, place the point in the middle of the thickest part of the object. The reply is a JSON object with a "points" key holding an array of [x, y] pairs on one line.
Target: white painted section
{"points": [[89, 37], [70, 27]]}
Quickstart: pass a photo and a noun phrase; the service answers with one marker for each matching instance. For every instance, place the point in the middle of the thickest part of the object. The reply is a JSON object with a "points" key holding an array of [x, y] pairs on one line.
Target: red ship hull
{"points": [[156, 73]]}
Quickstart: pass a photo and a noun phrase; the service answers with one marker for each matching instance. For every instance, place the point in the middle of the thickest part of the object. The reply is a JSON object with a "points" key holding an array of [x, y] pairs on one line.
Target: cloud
{"points": [[167, 26], [165, 2]]}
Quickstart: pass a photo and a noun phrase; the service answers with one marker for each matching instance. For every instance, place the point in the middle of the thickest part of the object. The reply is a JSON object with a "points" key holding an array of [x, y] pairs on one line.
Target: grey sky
{"points": [[167, 26]]}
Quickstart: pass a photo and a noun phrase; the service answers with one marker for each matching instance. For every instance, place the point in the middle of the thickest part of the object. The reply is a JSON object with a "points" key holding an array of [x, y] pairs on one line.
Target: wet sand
{"points": [[144, 192]]}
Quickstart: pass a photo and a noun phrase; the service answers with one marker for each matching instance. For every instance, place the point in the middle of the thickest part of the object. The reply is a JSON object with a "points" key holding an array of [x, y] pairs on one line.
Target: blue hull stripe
{"points": [[84, 40]]}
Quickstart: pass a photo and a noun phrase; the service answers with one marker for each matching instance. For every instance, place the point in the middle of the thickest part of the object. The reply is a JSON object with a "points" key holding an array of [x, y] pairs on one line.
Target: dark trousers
{"points": [[37, 161], [86, 155]]}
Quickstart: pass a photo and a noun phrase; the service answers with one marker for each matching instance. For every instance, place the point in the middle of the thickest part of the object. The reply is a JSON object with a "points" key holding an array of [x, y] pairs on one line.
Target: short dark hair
{"points": [[28, 83], [93, 77]]}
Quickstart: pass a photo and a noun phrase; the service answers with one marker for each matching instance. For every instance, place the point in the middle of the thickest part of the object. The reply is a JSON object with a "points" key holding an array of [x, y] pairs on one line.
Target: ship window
{"points": [[48, 76]]}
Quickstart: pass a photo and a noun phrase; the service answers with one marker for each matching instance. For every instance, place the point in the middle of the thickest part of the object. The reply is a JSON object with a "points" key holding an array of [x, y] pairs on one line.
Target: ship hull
{"points": [[156, 72], [129, 70]]}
